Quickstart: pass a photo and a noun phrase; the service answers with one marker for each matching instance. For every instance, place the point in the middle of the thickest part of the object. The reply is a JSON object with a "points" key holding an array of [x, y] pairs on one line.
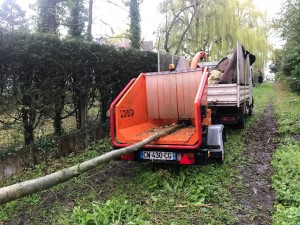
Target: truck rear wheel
{"points": [[250, 112], [242, 121]]}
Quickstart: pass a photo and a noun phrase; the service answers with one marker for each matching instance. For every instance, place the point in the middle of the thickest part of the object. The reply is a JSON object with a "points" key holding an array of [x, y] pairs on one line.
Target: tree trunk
{"points": [[134, 27], [84, 119], [57, 122], [25, 188], [48, 16], [90, 21], [58, 110], [28, 119]]}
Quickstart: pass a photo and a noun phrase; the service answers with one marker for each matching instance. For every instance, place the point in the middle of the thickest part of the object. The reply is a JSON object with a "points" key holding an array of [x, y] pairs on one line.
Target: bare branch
{"points": [[108, 1]]}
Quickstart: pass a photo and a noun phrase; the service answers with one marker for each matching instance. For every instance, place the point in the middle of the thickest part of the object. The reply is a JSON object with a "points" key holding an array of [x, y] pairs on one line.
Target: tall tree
{"points": [[90, 21], [12, 17], [75, 22], [47, 18], [71, 14], [135, 19]]}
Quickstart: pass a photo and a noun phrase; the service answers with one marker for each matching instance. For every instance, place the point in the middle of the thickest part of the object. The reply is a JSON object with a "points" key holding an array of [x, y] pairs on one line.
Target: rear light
{"points": [[187, 159], [128, 157], [228, 118], [179, 157]]}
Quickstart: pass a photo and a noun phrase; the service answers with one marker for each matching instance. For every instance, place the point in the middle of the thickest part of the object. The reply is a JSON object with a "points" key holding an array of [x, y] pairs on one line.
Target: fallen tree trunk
{"points": [[28, 187]]}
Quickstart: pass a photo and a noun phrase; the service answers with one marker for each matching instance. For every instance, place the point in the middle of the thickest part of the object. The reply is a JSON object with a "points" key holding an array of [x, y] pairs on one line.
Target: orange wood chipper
{"points": [[154, 101]]}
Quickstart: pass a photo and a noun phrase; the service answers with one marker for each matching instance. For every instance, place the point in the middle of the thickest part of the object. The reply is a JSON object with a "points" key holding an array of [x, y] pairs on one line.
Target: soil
{"points": [[257, 196]]}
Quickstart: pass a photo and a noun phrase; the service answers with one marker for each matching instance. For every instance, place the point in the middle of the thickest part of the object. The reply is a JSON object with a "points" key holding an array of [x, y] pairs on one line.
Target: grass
{"points": [[145, 194], [286, 161]]}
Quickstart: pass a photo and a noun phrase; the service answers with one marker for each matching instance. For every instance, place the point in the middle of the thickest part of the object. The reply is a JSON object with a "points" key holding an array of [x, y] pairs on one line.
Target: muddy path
{"points": [[257, 196]]}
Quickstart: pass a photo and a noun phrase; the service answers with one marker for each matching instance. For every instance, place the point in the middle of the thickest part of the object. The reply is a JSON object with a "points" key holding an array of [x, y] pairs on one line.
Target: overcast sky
{"points": [[117, 17]]}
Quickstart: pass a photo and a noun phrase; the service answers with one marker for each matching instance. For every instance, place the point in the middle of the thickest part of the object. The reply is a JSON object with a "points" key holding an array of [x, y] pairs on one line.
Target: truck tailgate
{"points": [[227, 94]]}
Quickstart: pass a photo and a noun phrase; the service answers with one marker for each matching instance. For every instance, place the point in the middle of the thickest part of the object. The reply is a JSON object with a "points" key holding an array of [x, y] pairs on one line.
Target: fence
{"points": [[55, 148], [13, 135]]}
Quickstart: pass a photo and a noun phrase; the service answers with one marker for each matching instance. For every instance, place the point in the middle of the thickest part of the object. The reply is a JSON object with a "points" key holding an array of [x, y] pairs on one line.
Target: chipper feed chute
{"points": [[155, 101]]}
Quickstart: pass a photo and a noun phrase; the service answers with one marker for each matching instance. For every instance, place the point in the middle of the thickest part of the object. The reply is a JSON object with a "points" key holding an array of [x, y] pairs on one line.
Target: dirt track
{"points": [[257, 197]]}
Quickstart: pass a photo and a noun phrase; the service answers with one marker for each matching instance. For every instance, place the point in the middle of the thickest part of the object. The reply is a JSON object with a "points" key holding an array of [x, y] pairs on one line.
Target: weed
{"points": [[286, 160], [118, 210]]}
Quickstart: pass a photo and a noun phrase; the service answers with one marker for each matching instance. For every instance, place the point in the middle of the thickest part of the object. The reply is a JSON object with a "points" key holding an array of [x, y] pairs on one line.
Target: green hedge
{"points": [[44, 76]]}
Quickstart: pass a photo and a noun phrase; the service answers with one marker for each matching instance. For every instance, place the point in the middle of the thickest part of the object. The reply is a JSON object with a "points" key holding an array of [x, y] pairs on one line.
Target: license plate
{"points": [[158, 155]]}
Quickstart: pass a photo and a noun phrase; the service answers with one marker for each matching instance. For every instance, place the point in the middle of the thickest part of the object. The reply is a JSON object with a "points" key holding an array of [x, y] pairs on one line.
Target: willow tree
{"points": [[214, 26]]}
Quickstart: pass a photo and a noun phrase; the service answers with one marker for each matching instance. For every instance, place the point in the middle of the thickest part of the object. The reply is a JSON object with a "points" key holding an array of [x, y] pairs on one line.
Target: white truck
{"points": [[231, 99]]}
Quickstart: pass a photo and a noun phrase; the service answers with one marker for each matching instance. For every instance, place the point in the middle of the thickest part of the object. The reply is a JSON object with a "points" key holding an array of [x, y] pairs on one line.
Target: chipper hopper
{"points": [[154, 101]]}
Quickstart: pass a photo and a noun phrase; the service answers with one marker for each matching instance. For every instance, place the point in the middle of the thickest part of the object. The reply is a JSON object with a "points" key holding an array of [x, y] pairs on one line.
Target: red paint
{"points": [[112, 114]]}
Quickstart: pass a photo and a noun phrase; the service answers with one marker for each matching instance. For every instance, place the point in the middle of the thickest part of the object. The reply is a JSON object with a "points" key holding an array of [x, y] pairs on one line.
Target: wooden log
{"points": [[28, 187]]}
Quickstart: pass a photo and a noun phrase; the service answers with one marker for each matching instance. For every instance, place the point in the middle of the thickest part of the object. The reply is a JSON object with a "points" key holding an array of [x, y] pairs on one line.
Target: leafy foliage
{"points": [[45, 77], [214, 26], [286, 215], [12, 17], [286, 180], [47, 19], [135, 27], [288, 25], [288, 113], [286, 161], [77, 16], [113, 212]]}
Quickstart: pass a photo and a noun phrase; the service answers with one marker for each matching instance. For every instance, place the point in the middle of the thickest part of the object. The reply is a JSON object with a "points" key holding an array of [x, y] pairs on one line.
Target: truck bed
{"points": [[227, 94]]}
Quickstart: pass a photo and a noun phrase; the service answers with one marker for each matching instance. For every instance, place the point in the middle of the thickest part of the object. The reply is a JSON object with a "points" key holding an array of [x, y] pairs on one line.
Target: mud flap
{"points": [[215, 142], [201, 157]]}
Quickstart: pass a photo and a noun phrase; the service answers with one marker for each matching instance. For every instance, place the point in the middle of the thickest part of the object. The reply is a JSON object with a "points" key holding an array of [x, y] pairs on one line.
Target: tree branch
{"points": [[25, 188]]}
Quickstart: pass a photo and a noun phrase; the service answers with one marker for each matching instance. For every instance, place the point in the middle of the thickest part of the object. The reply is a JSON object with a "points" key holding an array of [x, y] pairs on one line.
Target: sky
{"points": [[272, 8], [117, 17]]}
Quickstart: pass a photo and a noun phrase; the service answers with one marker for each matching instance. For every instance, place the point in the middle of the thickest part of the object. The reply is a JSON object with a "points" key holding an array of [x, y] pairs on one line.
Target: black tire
{"points": [[250, 113], [242, 121]]}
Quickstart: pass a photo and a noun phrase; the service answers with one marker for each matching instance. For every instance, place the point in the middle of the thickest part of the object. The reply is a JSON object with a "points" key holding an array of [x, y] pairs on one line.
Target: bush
{"points": [[45, 77]]}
